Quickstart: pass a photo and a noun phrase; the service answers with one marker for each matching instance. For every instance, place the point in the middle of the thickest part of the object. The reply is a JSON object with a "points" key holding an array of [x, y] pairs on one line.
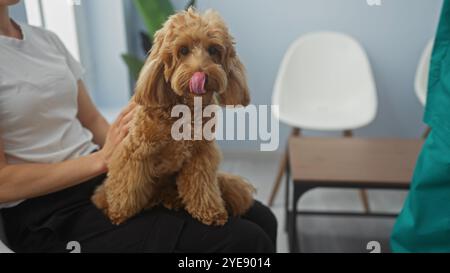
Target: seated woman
{"points": [[54, 149]]}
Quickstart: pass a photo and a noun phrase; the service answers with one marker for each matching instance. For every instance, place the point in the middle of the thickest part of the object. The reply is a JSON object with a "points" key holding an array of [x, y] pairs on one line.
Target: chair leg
{"points": [[365, 200], [281, 171], [347, 133], [362, 193], [426, 133]]}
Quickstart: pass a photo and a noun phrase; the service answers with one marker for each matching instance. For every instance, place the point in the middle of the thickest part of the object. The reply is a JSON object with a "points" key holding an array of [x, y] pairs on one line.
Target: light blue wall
{"points": [[18, 12], [101, 24], [393, 35]]}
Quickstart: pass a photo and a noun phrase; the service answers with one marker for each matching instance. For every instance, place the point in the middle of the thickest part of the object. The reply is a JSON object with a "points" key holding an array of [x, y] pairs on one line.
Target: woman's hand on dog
{"points": [[116, 134]]}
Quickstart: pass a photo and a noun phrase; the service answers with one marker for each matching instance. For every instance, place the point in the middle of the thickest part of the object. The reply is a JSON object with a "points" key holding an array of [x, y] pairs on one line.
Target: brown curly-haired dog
{"points": [[193, 55]]}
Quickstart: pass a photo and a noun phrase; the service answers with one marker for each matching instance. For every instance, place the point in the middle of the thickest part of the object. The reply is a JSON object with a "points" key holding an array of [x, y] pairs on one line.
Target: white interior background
{"points": [[393, 35]]}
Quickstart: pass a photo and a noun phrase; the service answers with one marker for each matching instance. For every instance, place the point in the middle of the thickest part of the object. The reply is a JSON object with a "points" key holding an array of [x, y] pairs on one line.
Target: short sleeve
{"points": [[74, 66]]}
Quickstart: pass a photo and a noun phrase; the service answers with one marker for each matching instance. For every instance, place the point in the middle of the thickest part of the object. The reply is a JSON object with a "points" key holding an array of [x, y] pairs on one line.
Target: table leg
{"points": [[286, 197], [294, 245]]}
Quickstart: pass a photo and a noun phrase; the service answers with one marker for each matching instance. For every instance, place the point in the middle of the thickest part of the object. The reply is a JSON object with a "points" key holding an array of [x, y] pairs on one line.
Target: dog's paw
{"points": [[220, 219], [99, 199], [116, 218], [217, 218]]}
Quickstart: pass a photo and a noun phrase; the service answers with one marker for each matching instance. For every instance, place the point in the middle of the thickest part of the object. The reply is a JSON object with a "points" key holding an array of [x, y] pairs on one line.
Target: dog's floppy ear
{"points": [[236, 92], [151, 87]]}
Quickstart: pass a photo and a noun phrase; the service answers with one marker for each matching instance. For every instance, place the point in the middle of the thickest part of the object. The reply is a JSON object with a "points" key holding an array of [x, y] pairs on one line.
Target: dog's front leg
{"points": [[128, 188], [198, 187], [122, 199]]}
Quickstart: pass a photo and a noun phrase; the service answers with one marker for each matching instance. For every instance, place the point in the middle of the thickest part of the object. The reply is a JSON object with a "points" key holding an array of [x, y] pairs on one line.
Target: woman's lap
{"points": [[162, 230], [48, 224], [240, 234]]}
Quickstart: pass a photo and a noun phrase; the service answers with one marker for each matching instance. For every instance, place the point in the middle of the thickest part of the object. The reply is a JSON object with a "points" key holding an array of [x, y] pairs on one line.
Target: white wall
{"points": [[18, 12], [394, 36], [104, 40]]}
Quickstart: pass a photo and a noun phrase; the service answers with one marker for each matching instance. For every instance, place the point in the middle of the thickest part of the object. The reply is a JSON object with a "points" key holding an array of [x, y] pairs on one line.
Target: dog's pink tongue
{"points": [[197, 83]]}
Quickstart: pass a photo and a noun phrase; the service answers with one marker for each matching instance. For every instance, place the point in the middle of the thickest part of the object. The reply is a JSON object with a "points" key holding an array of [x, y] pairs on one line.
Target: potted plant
{"points": [[154, 13]]}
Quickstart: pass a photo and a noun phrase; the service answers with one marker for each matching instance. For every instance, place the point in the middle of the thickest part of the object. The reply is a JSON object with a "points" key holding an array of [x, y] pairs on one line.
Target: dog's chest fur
{"points": [[171, 157], [165, 156]]}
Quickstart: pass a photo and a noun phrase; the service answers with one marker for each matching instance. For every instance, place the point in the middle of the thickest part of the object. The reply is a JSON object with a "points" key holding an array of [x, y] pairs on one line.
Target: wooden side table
{"points": [[345, 163]]}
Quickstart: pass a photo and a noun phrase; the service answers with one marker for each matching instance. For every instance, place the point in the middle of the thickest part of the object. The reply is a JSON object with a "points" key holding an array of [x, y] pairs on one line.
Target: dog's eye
{"points": [[184, 50], [213, 51]]}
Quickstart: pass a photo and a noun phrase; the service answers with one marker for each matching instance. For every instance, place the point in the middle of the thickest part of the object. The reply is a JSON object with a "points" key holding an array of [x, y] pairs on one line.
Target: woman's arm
{"points": [[25, 181], [90, 117]]}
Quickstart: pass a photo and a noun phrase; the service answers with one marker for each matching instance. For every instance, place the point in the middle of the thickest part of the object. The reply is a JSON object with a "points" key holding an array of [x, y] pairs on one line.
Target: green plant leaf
{"points": [[134, 65], [154, 13]]}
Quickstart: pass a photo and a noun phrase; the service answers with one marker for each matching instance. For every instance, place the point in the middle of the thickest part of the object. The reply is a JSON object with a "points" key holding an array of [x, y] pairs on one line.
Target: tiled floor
{"points": [[319, 234]]}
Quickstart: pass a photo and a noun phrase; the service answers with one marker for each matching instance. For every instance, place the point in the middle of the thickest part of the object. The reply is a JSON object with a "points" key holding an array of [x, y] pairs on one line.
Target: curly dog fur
{"points": [[150, 167]]}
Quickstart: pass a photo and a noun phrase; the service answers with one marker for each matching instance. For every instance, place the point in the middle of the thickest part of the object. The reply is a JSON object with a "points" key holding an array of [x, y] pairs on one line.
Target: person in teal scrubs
{"points": [[424, 223]]}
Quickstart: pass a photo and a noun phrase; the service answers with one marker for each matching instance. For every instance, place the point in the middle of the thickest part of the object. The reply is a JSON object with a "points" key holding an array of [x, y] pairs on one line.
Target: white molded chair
{"points": [[422, 73], [325, 83], [421, 80]]}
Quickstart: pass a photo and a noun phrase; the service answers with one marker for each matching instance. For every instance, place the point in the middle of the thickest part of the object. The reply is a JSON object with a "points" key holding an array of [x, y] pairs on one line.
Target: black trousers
{"points": [[49, 223]]}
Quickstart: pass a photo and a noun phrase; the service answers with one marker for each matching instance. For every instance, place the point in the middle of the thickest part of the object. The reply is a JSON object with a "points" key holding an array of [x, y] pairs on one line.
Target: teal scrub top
{"points": [[424, 223]]}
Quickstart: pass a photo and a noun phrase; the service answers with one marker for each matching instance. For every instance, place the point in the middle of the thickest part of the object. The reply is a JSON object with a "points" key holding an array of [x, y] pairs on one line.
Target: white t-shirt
{"points": [[38, 100]]}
